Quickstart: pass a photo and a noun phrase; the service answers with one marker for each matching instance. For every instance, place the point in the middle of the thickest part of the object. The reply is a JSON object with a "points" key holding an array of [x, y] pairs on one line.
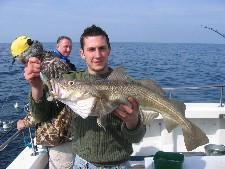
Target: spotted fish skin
{"points": [[106, 95], [51, 65]]}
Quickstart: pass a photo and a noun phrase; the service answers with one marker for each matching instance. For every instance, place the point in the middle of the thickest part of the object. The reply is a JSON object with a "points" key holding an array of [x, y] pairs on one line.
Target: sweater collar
{"points": [[97, 76]]}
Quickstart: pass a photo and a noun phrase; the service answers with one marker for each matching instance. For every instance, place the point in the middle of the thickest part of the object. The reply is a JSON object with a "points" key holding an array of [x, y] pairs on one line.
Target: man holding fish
{"points": [[109, 146], [55, 133]]}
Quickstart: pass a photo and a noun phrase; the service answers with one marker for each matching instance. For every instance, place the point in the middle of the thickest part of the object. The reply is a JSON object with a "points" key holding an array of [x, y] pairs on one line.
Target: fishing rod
{"points": [[8, 131], [5, 144], [13, 124], [214, 30]]}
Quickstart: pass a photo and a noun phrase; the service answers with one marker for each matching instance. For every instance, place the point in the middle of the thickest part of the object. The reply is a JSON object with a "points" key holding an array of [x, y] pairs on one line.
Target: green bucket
{"points": [[168, 160]]}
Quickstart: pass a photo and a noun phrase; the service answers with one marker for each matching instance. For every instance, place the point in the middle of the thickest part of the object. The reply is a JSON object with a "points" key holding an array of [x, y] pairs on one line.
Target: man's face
{"points": [[64, 47], [95, 53]]}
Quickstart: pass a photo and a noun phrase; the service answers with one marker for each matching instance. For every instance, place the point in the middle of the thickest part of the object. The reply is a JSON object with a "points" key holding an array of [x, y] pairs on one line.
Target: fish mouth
{"points": [[59, 90], [22, 60], [56, 89]]}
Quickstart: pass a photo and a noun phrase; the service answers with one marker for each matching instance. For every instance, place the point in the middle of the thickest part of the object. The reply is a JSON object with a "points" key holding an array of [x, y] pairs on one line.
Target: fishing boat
{"points": [[210, 117]]}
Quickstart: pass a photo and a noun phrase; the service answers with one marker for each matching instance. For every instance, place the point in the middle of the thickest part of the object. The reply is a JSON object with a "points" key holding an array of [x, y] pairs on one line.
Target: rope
{"points": [[26, 141]]}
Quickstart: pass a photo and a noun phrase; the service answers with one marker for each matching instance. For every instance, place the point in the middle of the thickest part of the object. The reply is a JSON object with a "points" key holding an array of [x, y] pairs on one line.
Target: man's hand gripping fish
{"points": [[100, 97]]}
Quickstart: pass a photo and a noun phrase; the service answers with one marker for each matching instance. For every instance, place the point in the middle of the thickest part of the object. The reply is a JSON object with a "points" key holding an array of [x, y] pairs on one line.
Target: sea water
{"points": [[170, 65]]}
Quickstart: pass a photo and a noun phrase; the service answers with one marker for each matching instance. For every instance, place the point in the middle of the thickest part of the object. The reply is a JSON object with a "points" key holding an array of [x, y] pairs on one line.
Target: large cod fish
{"points": [[100, 97]]}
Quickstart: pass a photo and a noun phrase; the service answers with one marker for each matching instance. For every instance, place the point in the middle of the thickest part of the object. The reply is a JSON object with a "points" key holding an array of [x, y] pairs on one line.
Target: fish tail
{"points": [[194, 137]]}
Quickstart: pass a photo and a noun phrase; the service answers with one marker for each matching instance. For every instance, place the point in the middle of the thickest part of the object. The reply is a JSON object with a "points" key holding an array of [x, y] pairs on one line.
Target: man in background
{"points": [[55, 134], [63, 50]]}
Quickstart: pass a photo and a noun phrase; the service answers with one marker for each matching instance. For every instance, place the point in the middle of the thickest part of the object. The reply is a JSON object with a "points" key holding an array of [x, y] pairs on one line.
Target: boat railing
{"points": [[16, 134], [171, 90], [10, 139]]}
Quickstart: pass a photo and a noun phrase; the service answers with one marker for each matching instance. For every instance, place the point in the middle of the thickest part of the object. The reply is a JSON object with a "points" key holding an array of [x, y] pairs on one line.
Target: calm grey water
{"points": [[170, 65]]}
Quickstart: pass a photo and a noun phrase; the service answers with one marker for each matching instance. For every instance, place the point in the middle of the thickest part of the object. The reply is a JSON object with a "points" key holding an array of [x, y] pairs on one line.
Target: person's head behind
{"points": [[95, 49], [64, 45]]}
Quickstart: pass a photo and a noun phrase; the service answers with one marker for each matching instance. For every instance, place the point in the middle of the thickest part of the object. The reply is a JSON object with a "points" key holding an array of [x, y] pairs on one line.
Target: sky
{"points": [[160, 21]]}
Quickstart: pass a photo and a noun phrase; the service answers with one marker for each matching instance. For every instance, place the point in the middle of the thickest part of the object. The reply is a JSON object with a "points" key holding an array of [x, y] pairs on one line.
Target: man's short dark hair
{"points": [[93, 31], [63, 37]]}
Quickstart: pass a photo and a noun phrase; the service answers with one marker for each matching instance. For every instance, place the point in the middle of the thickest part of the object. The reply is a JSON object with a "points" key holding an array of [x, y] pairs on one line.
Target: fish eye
{"points": [[70, 83]]}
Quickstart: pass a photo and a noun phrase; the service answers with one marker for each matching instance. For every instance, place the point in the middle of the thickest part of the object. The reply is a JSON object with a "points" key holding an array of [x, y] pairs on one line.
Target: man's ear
{"points": [[82, 54], [109, 51], [57, 46]]}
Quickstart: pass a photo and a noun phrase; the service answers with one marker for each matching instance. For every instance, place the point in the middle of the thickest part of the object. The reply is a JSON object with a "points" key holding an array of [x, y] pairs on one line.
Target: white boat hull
{"points": [[25, 160], [208, 116]]}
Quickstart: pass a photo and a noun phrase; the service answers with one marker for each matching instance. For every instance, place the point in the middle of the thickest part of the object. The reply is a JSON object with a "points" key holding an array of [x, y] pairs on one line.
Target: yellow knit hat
{"points": [[20, 45]]}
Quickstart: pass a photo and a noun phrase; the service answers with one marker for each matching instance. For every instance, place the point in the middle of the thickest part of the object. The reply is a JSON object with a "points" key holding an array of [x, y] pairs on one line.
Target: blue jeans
{"points": [[80, 163]]}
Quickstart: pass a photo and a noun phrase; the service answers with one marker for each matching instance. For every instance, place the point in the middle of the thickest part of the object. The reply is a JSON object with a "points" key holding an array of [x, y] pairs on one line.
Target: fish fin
{"points": [[152, 85], [119, 74], [148, 116], [49, 97], [82, 107], [46, 81], [101, 121], [103, 106], [180, 106], [170, 124], [194, 138]]}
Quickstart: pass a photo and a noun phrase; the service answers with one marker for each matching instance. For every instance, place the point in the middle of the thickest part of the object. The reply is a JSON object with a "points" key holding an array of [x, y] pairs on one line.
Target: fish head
{"points": [[35, 50], [75, 94], [68, 90], [22, 48]]}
